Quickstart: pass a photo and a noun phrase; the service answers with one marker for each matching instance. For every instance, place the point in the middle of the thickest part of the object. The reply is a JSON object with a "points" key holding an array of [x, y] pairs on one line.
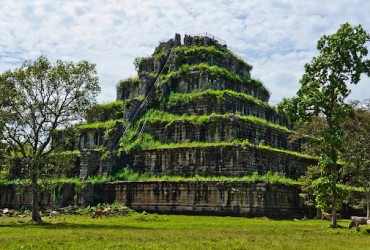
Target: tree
{"points": [[45, 98], [356, 148], [324, 88]]}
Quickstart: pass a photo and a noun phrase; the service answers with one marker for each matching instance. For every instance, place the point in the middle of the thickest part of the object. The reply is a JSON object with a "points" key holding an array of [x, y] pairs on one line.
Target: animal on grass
{"points": [[53, 214], [327, 216], [357, 221], [100, 212], [106, 212]]}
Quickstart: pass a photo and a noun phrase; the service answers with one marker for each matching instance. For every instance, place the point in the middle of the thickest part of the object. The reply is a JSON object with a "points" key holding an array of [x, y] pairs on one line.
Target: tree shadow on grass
{"points": [[70, 225]]}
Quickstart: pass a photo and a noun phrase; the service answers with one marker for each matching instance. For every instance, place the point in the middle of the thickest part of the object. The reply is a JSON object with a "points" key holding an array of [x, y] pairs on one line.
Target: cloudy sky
{"points": [[276, 37]]}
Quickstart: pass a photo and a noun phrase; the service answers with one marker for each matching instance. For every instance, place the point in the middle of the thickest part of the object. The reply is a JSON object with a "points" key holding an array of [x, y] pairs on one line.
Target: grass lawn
{"points": [[151, 231]]}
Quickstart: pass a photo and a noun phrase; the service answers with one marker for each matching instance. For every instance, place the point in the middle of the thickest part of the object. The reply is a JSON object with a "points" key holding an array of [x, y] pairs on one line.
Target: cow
{"points": [[106, 212], [53, 214], [100, 212], [327, 216], [357, 221]]}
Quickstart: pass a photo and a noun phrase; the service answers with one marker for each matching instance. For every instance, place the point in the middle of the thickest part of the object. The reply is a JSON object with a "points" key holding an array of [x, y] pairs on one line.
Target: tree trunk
{"points": [[35, 197], [367, 204], [318, 213], [334, 210]]}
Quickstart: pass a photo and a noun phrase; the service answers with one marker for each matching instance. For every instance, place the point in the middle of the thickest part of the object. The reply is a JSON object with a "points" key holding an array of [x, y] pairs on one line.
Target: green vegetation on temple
{"points": [[155, 116], [132, 80], [127, 174], [174, 99], [97, 125], [185, 54], [215, 72], [133, 140], [104, 112]]}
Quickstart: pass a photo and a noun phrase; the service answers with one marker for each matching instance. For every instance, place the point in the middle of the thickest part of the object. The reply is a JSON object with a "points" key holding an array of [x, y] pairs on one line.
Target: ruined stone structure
{"points": [[230, 198], [193, 109]]}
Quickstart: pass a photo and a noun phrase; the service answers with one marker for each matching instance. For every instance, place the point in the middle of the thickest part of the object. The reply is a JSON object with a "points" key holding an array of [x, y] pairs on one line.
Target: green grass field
{"points": [[151, 231]]}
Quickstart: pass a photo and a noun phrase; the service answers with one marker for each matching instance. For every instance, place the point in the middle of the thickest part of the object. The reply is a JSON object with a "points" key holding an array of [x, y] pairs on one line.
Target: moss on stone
{"points": [[155, 115], [175, 99], [215, 72], [104, 112], [97, 125]]}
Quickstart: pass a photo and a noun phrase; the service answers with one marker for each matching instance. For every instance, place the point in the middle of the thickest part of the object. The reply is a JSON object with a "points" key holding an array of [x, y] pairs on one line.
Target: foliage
{"points": [[104, 112], [127, 174], [47, 98], [157, 56], [122, 84], [132, 139], [127, 103], [322, 190], [356, 148], [137, 62], [255, 177], [97, 125], [341, 61], [307, 191], [310, 130]]}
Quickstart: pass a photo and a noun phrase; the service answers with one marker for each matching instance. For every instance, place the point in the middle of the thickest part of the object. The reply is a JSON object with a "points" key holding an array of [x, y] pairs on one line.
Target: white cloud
{"points": [[276, 37]]}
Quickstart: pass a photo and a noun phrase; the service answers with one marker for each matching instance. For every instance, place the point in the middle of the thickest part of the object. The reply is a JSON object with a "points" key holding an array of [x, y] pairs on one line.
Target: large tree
{"points": [[45, 98], [356, 148], [324, 88]]}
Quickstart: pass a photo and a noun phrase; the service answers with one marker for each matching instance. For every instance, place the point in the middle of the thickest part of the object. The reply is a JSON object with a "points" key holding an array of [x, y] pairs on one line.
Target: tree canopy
{"points": [[356, 148], [324, 89], [38, 100]]}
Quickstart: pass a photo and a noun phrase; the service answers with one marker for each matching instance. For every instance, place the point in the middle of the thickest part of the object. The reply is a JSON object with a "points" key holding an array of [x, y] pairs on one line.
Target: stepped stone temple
{"points": [[194, 109]]}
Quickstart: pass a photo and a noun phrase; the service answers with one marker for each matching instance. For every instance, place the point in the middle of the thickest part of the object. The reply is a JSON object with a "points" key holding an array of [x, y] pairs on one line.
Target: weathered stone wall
{"points": [[94, 163], [237, 198], [146, 65], [229, 62], [217, 160], [9, 197], [133, 88], [63, 196], [135, 109], [204, 40], [90, 163], [222, 129], [91, 138]]}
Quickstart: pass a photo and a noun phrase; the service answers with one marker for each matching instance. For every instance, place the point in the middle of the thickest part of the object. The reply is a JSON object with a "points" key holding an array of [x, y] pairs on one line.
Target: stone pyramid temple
{"points": [[193, 110]]}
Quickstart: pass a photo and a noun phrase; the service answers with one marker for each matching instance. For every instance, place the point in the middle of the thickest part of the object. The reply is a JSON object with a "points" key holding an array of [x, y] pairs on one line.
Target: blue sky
{"points": [[276, 37]]}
